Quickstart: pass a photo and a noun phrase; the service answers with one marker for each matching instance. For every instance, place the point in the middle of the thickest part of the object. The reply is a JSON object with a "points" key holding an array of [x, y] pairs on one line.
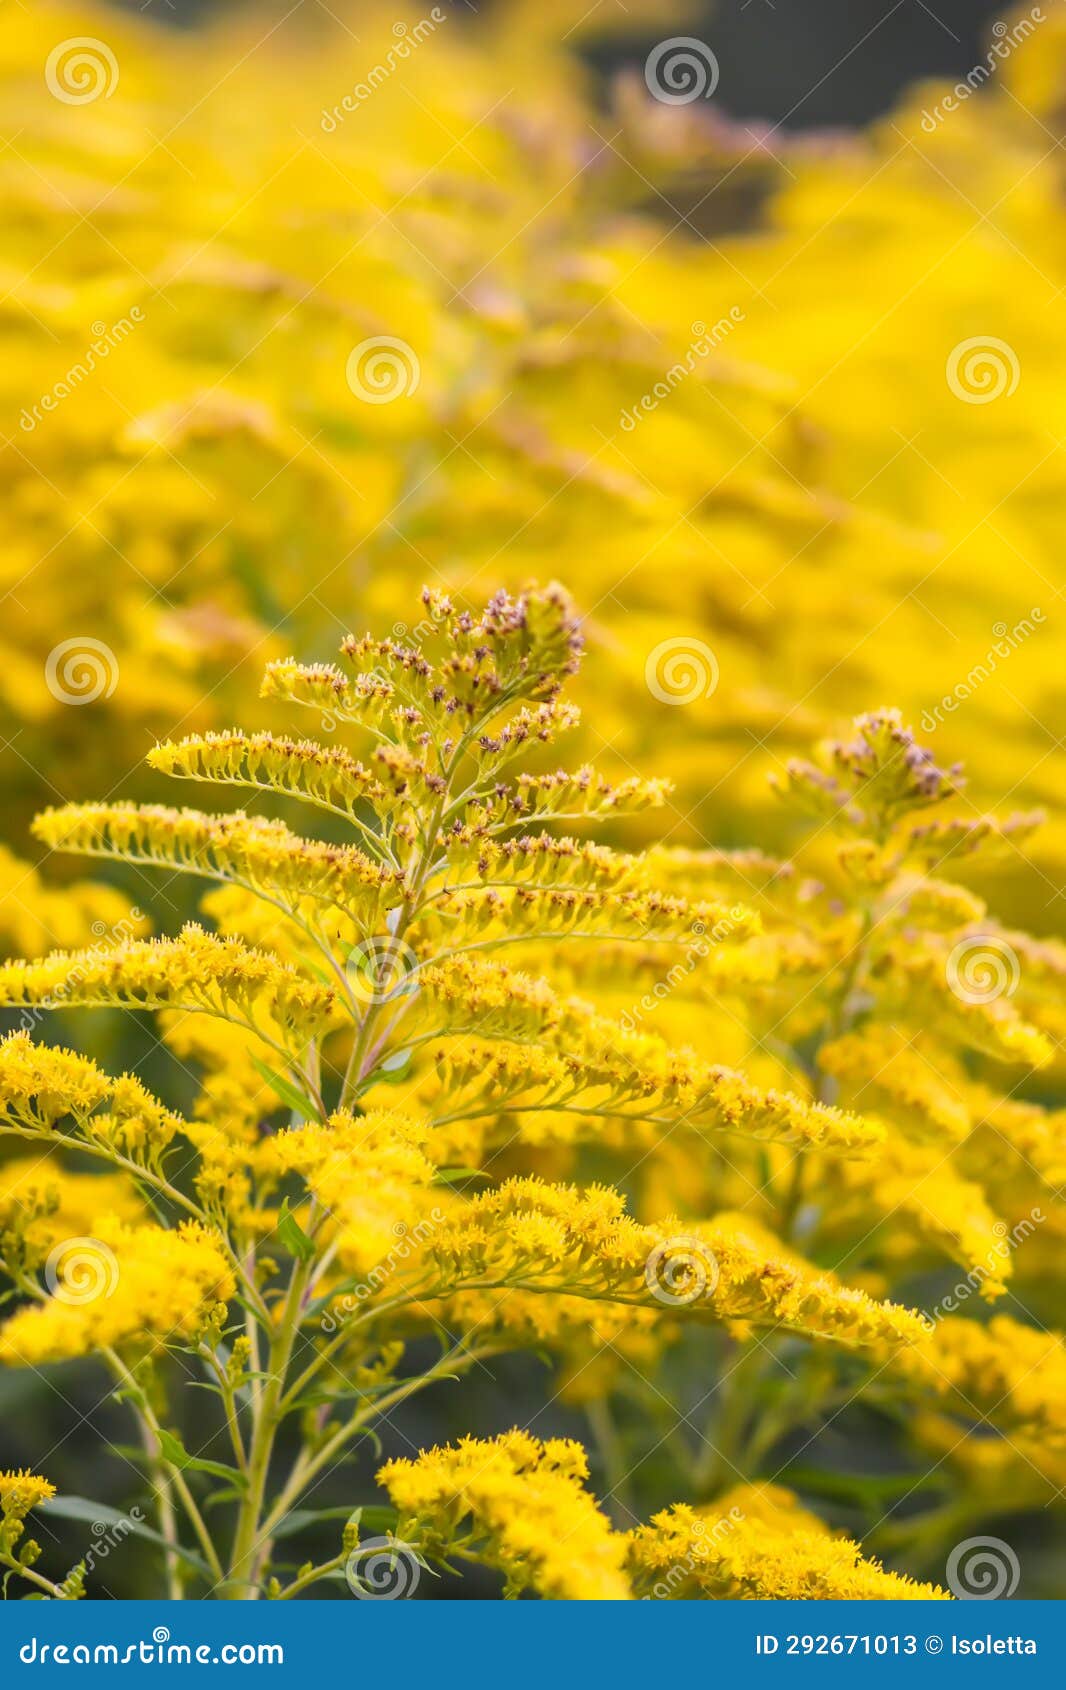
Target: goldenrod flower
{"points": [[588, 1067], [1011, 1373], [250, 851], [758, 1542], [42, 1203], [880, 1067], [370, 1174], [22, 1490], [386, 1033], [41, 1084], [131, 1287], [327, 776], [195, 971], [520, 1505], [561, 1240], [35, 916]]}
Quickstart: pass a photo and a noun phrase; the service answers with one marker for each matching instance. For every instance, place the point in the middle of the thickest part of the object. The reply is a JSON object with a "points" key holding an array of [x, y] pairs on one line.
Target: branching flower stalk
{"points": [[397, 1020]]}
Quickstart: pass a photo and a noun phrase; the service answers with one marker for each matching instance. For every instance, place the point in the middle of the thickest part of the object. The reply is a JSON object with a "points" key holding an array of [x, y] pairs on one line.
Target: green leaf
{"points": [[174, 1451], [135, 1454], [394, 1070], [292, 1234], [872, 1487], [455, 1176], [83, 1508], [218, 1497], [300, 1518], [288, 1090], [376, 1520], [131, 1392]]}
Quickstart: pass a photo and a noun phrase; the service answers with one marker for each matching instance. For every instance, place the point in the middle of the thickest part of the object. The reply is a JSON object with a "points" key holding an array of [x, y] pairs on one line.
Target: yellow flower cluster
{"points": [[792, 1038], [250, 851], [880, 1067], [759, 1543], [726, 1070], [195, 971], [604, 1070], [34, 916], [369, 1174], [1008, 1372], [42, 1203], [558, 1239], [40, 1085], [20, 1491], [535, 338], [123, 1288], [515, 1503], [326, 776]]}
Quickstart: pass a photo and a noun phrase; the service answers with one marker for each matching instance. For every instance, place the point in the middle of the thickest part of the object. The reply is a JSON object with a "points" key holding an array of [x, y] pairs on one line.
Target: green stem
{"points": [[719, 1462], [240, 1581], [229, 1405], [307, 1469], [38, 1579], [144, 1410], [612, 1455], [311, 1576]]}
